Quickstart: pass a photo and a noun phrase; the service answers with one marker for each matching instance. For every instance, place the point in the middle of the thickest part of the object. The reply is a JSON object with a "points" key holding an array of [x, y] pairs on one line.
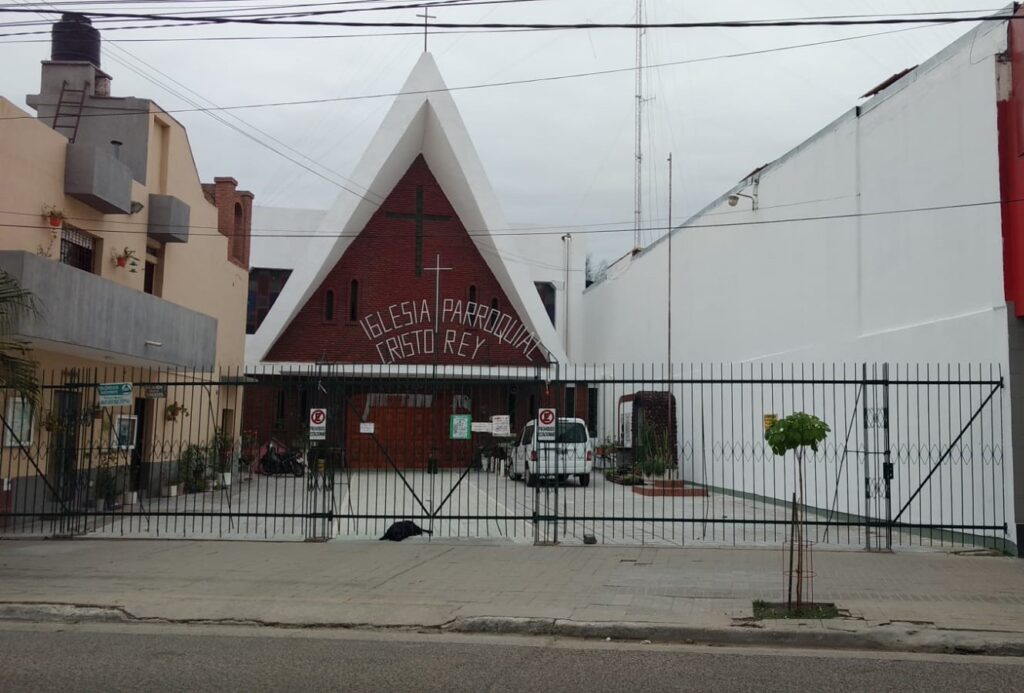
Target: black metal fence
{"points": [[671, 455]]}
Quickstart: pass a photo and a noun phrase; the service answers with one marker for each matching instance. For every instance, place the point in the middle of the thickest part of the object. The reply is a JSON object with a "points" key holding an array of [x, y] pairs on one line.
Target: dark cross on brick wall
{"points": [[419, 217]]}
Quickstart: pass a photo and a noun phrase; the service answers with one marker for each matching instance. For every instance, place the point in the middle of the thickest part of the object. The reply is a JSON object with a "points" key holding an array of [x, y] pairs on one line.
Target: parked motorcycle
{"points": [[274, 464]]}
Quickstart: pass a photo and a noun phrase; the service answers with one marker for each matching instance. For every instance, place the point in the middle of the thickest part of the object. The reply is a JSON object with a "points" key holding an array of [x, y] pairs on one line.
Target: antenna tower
{"points": [[638, 154]]}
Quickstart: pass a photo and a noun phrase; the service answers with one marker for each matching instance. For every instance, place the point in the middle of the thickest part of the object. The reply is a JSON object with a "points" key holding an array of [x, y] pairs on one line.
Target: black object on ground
{"points": [[403, 530]]}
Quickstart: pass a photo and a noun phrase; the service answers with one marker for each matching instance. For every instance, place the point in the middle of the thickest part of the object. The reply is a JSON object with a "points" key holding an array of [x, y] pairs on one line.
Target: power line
{"points": [[322, 36], [261, 16], [487, 85], [262, 133], [526, 232], [552, 229], [175, 39], [221, 119], [719, 24]]}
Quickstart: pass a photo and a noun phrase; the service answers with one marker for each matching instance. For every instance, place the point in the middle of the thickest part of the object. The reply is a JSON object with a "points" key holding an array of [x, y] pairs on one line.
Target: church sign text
{"points": [[407, 329]]}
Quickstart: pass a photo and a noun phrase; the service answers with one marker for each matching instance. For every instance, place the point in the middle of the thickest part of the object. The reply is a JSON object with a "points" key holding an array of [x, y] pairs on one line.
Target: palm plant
{"points": [[17, 369]]}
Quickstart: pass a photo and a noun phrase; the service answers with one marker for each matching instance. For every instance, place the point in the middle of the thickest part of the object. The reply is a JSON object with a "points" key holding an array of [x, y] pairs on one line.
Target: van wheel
{"points": [[584, 480], [531, 479]]}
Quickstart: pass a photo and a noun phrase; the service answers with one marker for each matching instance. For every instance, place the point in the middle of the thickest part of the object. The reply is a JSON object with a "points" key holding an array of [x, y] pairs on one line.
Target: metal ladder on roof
{"points": [[69, 111]]}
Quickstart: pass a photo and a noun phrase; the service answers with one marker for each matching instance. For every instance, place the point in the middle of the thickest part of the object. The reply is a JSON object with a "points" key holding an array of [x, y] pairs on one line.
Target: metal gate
{"points": [[674, 455]]}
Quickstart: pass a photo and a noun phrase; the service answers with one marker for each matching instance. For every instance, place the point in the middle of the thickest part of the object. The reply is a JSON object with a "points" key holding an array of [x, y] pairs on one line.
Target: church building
{"points": [[413, 286]]}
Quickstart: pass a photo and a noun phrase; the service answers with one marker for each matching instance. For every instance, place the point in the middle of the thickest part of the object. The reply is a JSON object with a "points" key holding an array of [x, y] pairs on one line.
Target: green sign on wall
{"points": [[460, 426]]}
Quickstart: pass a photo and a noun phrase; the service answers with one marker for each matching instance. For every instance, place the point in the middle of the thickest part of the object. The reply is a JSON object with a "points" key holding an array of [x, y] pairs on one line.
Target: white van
{"points": [[570, 454]]}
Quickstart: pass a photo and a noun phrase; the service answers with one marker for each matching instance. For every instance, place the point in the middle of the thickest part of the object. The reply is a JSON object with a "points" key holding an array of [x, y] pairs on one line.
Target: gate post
{"points": [[866, 453], [887, 468]]}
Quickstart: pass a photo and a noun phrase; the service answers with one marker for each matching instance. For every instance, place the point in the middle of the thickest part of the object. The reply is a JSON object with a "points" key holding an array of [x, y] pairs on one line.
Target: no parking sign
{"points": [[546, 425], [318, 424]]}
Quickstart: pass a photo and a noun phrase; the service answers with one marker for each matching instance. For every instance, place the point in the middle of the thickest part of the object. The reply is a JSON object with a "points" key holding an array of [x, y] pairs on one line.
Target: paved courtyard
{"points": [[469, 505]]}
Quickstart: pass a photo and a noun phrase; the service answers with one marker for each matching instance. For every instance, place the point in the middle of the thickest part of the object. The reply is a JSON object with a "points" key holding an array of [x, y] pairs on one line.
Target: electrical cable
{"points": [[685, 226], [221, 119], [718, 24], [533, 80]]}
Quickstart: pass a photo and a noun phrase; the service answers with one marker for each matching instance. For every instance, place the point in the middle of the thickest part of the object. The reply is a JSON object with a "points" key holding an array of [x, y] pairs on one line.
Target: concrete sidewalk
{"points": [[910, 601]]}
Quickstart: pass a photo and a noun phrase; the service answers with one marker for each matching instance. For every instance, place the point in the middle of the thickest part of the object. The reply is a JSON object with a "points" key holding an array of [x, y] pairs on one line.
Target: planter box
{"points": [[130, 498], [169, 491], [224, 479]]}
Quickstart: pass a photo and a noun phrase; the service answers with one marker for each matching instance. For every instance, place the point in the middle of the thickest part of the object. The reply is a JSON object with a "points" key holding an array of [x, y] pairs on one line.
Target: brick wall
{"points": [[234, 217], [395, 304], [407, 431]]}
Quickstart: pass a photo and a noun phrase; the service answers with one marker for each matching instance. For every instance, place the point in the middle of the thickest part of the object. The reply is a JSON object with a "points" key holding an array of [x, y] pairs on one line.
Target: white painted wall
{"points": [[281, 237], [541, 255], [912, 287]]}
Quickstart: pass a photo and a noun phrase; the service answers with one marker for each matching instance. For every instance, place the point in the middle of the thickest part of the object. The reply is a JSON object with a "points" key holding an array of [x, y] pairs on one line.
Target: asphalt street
{"points": [[151, 657]]}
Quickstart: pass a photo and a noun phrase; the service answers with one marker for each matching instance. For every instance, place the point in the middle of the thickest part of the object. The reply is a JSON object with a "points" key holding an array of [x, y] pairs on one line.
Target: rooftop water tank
{"points": [[75, 38]]}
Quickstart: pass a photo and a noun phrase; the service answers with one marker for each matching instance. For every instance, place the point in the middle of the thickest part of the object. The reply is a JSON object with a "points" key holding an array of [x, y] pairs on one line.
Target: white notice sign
{"points": [[318, 424], [546, 425], [501, 425], [481, 426], [365, 427]]}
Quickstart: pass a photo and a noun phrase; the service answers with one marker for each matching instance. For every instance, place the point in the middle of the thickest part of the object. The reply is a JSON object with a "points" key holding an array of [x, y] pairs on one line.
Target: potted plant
{"points": [[105, 485], [54, 216], [606, 452], [654, 451], [126, 494], [248, 454], [51, 422], [174, 410], [127, 258], [170, 489], [221, 449], [192, 468]]}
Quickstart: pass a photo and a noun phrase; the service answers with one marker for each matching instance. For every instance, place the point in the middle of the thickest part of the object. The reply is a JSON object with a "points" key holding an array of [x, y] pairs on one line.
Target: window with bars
{"points": [[77, 249]]}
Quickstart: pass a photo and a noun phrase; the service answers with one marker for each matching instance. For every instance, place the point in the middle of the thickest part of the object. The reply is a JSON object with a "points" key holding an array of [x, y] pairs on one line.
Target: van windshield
{"points": [[571, 432]]}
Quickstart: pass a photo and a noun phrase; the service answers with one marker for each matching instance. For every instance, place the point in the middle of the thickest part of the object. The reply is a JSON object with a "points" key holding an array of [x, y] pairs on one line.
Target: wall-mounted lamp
{"points": [[735, 198], [137, 207], [151, 343]]}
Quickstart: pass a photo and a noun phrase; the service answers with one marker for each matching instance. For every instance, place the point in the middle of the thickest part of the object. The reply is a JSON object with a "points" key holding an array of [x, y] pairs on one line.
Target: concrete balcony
{"points": [[85, 315], [97, 178], [168, 219]]}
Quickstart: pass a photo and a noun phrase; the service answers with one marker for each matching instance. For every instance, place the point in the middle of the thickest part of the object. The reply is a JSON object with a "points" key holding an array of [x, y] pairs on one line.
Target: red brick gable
{"points": [[387, 270]]}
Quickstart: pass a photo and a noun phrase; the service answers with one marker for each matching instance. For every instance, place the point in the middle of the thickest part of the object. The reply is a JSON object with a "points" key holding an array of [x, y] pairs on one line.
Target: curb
{"points": [[887, 638], [803, 635]]}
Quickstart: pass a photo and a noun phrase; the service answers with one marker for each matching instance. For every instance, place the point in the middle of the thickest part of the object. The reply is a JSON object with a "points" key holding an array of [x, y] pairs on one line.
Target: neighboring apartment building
{"points": [[140, 273]]}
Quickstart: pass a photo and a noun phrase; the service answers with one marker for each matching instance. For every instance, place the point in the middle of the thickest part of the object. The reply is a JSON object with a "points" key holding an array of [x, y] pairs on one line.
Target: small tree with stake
{"points": [[797, 432]]}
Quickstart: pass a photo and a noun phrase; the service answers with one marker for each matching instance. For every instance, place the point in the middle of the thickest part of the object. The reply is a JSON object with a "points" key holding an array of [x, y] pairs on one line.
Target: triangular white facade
{"points": [[423, 120]]}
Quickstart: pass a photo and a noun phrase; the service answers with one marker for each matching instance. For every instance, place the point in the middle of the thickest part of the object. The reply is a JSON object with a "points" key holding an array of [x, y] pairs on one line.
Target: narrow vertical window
{"points": [[353, 300], [236, 244], [492, 318], [280, 405], [329, 306], [472, 293]]}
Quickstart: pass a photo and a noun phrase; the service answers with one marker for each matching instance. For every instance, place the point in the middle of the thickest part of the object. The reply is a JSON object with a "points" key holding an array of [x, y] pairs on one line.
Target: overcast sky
{"points": [[558, 153]]}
